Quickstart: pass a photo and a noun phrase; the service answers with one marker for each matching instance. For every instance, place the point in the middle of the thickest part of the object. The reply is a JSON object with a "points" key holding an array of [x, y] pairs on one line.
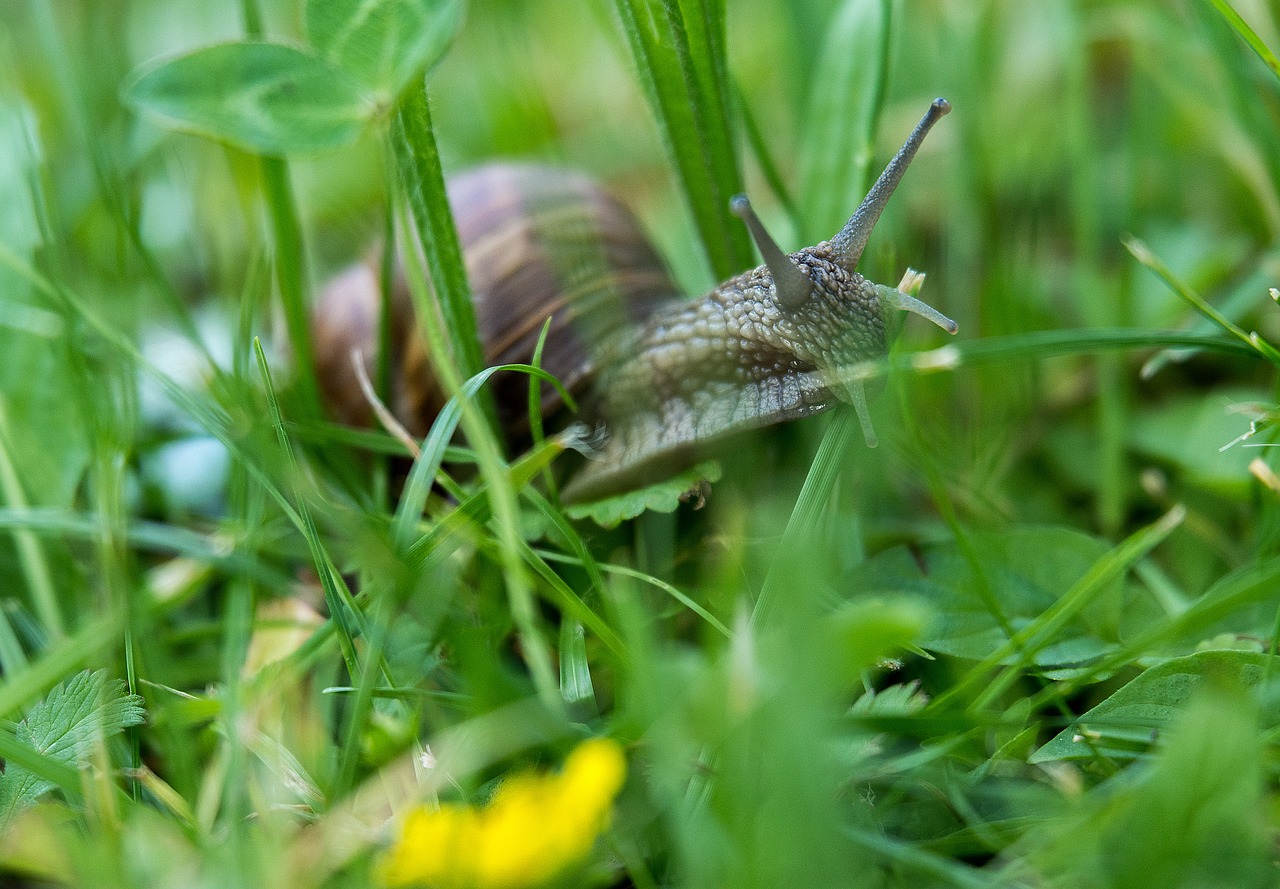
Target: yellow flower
{"points": [[534, 827]]}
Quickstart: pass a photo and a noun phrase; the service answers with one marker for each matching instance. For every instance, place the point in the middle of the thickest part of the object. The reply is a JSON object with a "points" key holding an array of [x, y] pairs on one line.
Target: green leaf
{"points": [[383, 44], [63, 729], [1125, 724], [1025, 570], [1198, 815], [263, 97], [870, 630], [662, 497], [1189, 432]]}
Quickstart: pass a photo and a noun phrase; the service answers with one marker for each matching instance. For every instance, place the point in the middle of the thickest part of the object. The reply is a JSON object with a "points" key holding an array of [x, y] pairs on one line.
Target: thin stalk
{"points": [[290, 263], [448, 326], [418, 159], [343, 610], [31, 557], [291, 276]]}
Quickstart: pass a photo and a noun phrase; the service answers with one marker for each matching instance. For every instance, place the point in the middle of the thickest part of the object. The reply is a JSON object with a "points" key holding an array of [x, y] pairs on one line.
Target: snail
{"points": [[663, 377]]}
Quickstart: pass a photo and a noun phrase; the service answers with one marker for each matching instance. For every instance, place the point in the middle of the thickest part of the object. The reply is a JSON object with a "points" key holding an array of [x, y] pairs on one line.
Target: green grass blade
{"points": [[415, 146], [427, 465], [35, 566], [290, 265], [414, 143], [672, 591], [341, 607], [443, 536], [843, 434], [679, 81], [1143, 254], [571, 605], [845, 102], [1248, 35]]}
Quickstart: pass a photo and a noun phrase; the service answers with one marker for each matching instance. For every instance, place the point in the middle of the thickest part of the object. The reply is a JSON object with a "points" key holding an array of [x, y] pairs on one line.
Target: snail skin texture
{"points": [[661, 377]]}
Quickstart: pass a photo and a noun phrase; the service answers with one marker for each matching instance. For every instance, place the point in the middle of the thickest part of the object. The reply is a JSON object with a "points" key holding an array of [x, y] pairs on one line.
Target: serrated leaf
{"points": [[63, 728], [263, 97], [384, 44], [1125, 724], [662, 497]]}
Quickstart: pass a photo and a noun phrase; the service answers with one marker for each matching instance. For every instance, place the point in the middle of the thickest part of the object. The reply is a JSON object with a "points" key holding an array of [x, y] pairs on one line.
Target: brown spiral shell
{"points": [[538, 242]]}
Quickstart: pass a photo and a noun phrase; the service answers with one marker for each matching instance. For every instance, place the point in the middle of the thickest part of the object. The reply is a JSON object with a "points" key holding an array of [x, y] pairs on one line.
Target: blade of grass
{"points": [[413, 142], [1253, 584], [345, 613], [352, 748], [672, 591], [1248, 35], [1039, 345], [843, 433], [536, 433], [913, 857], [569, 603], [699, 28], [290, 274], [31, 556], [680, 84], [147, 536], [420, 168], [1143, 254], [443, 538], [427, 465], [843, 110]]}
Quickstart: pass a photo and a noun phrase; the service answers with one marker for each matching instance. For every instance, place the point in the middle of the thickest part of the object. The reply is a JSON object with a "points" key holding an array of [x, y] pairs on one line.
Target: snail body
{"points": [[664, 377]]}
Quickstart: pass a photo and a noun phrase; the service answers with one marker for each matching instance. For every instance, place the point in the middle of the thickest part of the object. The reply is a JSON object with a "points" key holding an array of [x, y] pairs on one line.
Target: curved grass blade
{"points": [[342, 609], [1248, 35], [1143, 254], [430, 458]]}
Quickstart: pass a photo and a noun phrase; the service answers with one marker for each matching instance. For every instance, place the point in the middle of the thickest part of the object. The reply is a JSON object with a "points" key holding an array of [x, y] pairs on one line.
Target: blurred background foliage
{"points": [[1076, 124]]}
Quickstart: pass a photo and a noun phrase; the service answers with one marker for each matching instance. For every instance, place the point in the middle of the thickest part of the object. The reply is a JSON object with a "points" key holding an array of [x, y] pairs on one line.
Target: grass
{"points": [[1028, 641]]}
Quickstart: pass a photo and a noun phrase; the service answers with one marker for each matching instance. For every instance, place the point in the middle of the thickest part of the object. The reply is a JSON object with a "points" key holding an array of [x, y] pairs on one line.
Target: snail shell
{"points": [[538, 242]]}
